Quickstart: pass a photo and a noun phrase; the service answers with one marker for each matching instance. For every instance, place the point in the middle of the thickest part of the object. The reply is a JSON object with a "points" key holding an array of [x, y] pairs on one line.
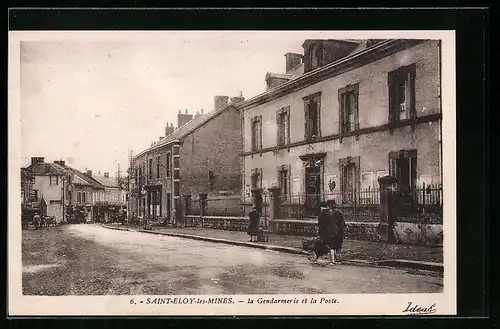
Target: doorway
{"points": [[313, 190]]}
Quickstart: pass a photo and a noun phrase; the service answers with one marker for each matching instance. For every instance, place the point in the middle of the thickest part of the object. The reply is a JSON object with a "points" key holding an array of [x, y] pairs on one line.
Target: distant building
{"points": [[200, 156], [343, 114], [109, 201], [50, 182]]}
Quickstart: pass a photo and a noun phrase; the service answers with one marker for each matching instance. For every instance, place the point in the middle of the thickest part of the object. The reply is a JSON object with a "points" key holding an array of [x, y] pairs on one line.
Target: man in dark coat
{"points": [[325, 226], [253, 225], [338, 230]]}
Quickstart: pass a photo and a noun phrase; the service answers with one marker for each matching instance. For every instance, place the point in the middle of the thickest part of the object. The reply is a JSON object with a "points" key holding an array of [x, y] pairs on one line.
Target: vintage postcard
{"points": [[232, 173]]}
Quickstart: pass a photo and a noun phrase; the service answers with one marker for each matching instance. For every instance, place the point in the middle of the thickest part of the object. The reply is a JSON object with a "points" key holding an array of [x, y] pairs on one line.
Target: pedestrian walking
{"points": [[37, 221], [338, 230], [253, 225], [325, 225]]}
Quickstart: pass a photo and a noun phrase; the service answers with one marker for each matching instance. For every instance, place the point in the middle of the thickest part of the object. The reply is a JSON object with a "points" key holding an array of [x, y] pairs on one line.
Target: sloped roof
{"points": [[84, 179], [106, 181], [185, 129], [44, 168], [26, 175]]}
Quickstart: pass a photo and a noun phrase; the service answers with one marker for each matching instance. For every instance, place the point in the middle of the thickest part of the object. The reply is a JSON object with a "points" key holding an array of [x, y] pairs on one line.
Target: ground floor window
{"points": [[256, 178], [349, 179], [403, 166], [284, 181]]}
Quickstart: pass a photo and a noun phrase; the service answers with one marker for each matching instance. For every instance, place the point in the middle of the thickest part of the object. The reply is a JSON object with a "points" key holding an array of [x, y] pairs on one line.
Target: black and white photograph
{"points": [[232, 173]]}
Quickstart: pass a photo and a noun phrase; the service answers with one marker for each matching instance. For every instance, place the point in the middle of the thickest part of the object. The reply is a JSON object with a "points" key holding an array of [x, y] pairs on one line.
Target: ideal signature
{"points": [[417, 309]]}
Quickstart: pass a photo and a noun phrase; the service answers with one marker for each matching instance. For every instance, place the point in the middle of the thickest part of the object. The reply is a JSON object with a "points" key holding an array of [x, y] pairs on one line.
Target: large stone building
{"points": [[343, 114], [200, 156]]}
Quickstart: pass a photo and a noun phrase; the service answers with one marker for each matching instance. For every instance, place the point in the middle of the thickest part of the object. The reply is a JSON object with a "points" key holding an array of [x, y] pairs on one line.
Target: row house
{"points": [[49, 181], [109, 201], [67, 191], [201, 156], [345, 113]]}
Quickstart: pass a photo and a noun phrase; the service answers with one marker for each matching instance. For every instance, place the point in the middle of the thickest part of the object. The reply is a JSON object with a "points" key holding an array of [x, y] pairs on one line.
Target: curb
{"points": [[391, 263], [288, 250], [417, 265]]}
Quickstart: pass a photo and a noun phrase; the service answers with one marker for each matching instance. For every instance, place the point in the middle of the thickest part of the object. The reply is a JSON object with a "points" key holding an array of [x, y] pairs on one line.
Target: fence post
{"points": [[275, 202], [187, 207], [387, 213], [203, 204]]}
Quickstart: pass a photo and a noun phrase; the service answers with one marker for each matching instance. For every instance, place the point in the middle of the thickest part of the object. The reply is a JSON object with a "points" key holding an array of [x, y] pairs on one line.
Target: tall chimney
{"points": [[220, 102], [292, 60], [37, 160], [169, 129], [89, 173], [60, 162], [183, 118], [197, 114]]}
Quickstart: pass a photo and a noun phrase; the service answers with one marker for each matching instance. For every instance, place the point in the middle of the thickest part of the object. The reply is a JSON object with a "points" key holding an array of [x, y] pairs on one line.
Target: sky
{"points": [[89, 100]]}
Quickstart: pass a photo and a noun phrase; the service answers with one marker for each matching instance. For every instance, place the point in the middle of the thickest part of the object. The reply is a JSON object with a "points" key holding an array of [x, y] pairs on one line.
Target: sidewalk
{"points": [[413, 256]]}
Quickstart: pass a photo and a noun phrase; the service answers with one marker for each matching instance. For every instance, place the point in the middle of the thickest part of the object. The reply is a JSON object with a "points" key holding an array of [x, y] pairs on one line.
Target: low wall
{"points": [[406, 233], [218, 222]]}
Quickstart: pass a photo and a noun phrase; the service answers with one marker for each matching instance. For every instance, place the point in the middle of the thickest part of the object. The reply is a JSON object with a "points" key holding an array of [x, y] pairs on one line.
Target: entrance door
{"points": [[313, 190]]}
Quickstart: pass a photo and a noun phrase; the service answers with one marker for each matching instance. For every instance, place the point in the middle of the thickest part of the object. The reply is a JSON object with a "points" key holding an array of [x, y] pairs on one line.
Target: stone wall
{"points": [[406, 233]]}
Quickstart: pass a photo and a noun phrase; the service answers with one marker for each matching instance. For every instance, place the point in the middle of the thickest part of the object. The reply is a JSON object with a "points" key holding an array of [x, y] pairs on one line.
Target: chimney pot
{"points": [[106, 174], [201, 111], [89, 172], [220, 101], [292, 60], [186, 111], [36, 160]]}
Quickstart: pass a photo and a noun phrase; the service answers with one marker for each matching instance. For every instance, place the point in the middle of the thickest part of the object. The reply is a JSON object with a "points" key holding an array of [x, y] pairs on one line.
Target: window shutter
{"points": [[318, 115], [413, 112], [287, 118], [356, 108], [260, 132], [413, 170], [391, 82], [341, 112], [260, 177], [306, 120], [278, 127], [357, 183]]}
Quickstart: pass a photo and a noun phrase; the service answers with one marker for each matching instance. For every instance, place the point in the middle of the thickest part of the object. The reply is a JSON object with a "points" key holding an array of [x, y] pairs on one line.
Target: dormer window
{"points": [[314, 56]]}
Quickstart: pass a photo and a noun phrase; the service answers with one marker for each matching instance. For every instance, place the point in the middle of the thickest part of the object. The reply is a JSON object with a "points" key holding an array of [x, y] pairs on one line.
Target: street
{"points": [[92, 260]]}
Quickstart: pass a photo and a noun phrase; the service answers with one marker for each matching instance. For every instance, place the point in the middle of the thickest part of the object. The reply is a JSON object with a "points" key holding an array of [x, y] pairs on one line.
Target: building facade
{"points": [[50, 182], [200, 156], [346, 113], [110, 201]]}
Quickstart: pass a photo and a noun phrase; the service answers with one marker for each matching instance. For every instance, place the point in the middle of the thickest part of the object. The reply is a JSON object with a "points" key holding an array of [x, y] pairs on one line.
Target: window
{"points": [[256, 126], [256, 178], [169, 160], [284, 180], [348, 105], [53, 180], [349, 179], [150, 168], [158, 167], [403, 166], [402, 94], [312, 109], [283, 122], [211, 179], [314, 57]]}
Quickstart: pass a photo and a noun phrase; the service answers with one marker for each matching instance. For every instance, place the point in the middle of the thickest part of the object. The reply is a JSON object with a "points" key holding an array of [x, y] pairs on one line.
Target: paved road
{"points": [[139, 263]]}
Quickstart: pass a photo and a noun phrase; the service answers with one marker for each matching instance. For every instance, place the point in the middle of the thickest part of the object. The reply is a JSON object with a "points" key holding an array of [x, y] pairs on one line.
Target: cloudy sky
{"points": [[89, 100]]}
